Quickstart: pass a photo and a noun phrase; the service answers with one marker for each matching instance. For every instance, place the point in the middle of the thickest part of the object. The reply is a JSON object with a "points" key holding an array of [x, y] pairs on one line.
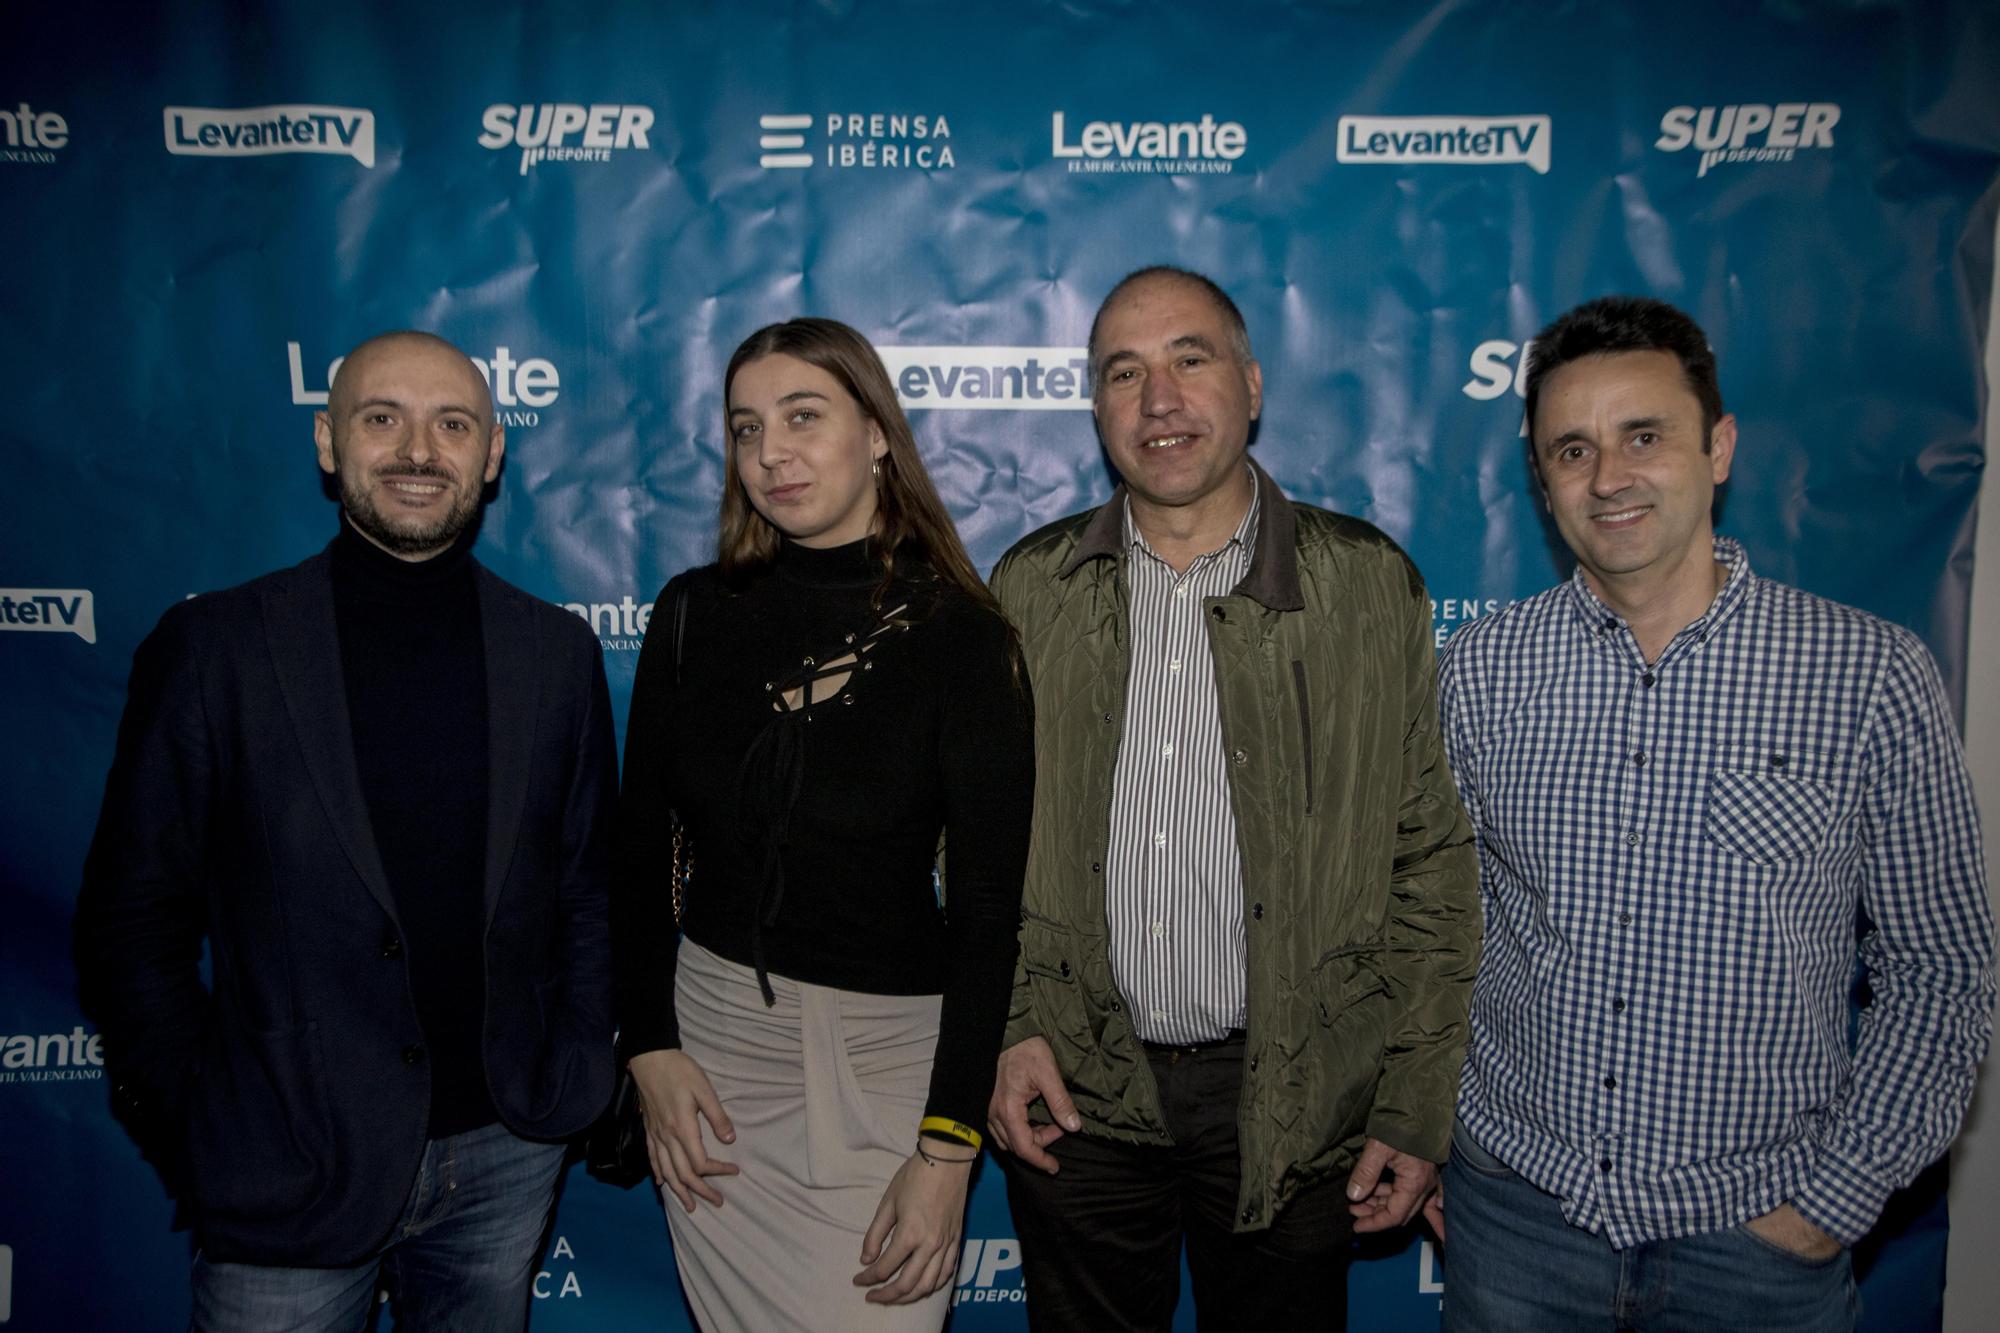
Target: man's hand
{"points": [[1380, 1203], [1028, 1071], [1787, 1228], [1434, 1212], [676, 1096]]}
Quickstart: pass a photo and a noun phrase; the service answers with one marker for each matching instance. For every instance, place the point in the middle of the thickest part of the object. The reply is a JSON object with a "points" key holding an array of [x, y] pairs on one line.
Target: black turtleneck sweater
{"points": [[937, 735], [415, 671]]}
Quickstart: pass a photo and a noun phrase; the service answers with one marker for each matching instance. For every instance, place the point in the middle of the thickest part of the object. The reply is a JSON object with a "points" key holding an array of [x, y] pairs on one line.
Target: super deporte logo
{"points": [[521, 386], [258, 131], [1479, 141], [989, 1270], [28, 135], [1205, 147], [50, 611], [565, 131], [1747, 132], [1014, 379]]}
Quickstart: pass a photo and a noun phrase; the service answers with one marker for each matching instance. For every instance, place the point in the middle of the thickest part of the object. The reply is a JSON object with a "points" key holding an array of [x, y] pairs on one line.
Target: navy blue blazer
{"points": [[288, 1099]]}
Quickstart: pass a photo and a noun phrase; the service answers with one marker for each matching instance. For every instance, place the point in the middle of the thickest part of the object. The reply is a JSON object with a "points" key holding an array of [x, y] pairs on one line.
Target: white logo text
{"points": [[255, 131]]}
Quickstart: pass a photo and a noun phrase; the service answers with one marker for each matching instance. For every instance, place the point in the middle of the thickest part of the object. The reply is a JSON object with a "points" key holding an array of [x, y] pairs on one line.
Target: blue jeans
{"points": [[1512, 1262], [460, 1258]]}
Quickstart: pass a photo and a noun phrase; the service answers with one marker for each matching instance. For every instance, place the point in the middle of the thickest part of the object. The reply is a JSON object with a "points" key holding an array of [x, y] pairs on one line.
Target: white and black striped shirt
{"points": [[1174, 876]]}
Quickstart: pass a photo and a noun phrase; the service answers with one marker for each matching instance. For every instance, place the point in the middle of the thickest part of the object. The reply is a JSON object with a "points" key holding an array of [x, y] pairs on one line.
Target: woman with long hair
{"points": [[815, 1043]]}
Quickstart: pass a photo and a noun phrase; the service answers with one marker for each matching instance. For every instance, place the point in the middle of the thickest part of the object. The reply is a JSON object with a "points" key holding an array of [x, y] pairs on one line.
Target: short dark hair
{"points": [[1626, 324], [1232, 318]]}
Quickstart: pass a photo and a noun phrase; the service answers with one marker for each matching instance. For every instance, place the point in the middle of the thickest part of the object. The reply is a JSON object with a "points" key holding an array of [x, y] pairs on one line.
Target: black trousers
{"points": [[1101, 1239]]}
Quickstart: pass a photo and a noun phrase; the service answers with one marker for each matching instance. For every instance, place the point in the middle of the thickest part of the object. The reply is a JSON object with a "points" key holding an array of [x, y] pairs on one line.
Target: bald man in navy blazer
{"points": [[378, 785]]}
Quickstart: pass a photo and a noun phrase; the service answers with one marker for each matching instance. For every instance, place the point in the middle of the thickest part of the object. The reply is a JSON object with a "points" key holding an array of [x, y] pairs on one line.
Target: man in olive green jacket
{"points": [[1251, 918]]}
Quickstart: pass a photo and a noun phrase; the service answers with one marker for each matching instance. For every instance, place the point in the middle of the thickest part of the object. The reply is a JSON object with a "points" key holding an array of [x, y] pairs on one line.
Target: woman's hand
{"points": [[911, 1249], [675, 1095]]}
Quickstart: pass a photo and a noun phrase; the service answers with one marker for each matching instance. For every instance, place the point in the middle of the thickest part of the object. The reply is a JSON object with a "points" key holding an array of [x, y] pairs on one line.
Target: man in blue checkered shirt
{"points": [[1700, 797]]}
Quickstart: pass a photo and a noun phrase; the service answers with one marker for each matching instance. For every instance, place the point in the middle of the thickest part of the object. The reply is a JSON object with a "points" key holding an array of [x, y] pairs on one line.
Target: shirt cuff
{"points": [[1842, 1198]]}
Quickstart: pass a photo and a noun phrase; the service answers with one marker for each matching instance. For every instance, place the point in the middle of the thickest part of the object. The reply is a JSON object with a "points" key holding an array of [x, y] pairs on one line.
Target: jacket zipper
{"points": [[1305, 727]]}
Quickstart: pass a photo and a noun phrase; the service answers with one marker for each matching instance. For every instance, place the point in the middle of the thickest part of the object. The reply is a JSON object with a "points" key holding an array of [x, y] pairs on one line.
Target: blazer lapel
{"points": [[513, 686], [305, 650]]}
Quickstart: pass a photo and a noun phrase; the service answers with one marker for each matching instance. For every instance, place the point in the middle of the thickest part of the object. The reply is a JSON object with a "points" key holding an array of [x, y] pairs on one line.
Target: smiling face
{"points": [[408, 432], [1172, 399], [803, 450], [1618, 443]]}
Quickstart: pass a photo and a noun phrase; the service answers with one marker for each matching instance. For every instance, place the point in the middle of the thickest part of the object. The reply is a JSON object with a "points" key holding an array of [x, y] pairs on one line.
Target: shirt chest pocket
{"points": [[1767, 805]]}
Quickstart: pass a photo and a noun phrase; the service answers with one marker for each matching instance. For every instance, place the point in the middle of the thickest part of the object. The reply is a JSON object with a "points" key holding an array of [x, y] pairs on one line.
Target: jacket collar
{"points": [[1273, 580]]}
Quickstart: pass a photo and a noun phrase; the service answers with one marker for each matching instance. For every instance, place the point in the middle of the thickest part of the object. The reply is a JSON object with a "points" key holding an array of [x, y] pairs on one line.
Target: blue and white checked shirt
{"points": [[1672, 860]]}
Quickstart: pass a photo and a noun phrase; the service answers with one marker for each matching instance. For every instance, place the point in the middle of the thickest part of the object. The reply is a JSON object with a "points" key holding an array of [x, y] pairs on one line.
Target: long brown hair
{"points": [[910, 521]]}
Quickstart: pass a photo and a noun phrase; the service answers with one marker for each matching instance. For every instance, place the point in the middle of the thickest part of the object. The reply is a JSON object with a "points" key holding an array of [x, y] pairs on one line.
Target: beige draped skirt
{"points": [[825, 1089]]}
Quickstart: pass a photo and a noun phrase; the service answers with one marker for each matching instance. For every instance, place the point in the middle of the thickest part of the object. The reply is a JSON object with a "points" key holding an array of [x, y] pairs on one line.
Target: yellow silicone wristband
{"points": [[951, 1129]]}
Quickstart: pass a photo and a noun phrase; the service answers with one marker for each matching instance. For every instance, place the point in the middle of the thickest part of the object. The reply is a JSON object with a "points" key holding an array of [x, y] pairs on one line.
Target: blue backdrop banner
{"points": [[205, 204]]}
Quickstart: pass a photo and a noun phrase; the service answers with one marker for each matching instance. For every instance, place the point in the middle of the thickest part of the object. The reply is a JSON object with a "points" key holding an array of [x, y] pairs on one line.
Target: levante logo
{"points": [[521, 386], [1205, 147], [53, 1057], [258, 131], [28, 135]]}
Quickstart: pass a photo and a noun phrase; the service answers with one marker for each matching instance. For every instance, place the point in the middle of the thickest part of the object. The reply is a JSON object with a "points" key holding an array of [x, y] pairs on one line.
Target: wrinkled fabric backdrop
{"points": [[204, 205]]}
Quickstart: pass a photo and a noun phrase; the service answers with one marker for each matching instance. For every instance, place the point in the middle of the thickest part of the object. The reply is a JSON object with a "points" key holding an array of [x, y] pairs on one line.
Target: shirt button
{"points": [[1159, 839], [1257, 911], [1181, 591], [1166, 751], [1605, 1166], [1107, 717], [1159, 929], [1610, 1083], [1624, 918], [1097, 867], [1174, 664], [1649, 680], [1610, 622], [1159, 1015], [1240, 758], [1632, 838], [1639, 759], [391, 947], [1618, 1006], [413, 1055]]}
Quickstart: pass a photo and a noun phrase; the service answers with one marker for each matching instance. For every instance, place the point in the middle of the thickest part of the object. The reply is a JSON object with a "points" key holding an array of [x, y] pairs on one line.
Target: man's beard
{"points": [[403, 539]]}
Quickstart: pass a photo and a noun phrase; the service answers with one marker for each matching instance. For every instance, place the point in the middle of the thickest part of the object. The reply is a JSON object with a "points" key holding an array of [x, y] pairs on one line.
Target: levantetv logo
{"points": [[257, 131], [1729, 133], [1445, 140], [1010, 379], [50, 611], [1176, 148]]}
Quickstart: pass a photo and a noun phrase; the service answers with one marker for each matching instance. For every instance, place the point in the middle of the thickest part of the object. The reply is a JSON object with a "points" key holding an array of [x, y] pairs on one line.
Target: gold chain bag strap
{"points": [[614, 1148]]}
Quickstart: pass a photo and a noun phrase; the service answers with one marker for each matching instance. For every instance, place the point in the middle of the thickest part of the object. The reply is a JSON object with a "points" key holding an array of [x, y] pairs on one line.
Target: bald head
{"points": [[1164, 275], [386, 348]]}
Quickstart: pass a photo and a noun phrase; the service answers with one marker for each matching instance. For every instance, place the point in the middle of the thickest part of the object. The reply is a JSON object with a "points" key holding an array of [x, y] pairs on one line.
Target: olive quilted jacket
{"points": [[1361, 894]]}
